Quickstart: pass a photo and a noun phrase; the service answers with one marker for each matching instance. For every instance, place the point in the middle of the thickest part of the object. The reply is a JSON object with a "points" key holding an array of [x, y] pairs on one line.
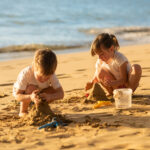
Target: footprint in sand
{"points": [[19, 138], [2, 95], [76, 109], [145, 68], [39, 143], [6, 84], [62, 76], [120, 146], [145, 90], [135, 61], [65, 146], [80, 70], [146, 146], [130, 134]]}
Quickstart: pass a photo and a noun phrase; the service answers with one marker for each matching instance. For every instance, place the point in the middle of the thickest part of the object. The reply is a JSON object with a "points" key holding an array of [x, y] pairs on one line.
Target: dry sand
{"points": [[105, 128]]}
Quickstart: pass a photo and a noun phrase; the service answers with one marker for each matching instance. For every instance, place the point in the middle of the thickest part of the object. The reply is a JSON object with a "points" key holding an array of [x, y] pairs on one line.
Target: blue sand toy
{"points": [[54, 123]]}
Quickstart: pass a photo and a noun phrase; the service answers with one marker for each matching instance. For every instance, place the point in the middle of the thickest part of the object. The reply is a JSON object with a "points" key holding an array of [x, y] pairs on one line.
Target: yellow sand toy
{"points": [[102, 103]]}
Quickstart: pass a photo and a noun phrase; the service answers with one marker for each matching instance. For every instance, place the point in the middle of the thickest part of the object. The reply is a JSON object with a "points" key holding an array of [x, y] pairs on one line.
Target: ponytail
{"points": [[115, 41]]}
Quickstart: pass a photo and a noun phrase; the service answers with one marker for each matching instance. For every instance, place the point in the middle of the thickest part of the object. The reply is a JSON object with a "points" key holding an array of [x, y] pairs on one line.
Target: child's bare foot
{"points": [[22, 114]]}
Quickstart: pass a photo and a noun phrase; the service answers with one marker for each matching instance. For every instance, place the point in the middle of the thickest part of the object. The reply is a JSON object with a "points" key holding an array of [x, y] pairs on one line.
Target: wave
{"points": [[133, 34], [33, 47], [19, 22], [55, 21], [118, 30], [4, 15]]}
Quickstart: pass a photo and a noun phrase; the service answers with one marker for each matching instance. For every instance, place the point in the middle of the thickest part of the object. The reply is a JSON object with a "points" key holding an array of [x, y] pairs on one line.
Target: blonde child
{"points": [[113, 69], [38, 80]]}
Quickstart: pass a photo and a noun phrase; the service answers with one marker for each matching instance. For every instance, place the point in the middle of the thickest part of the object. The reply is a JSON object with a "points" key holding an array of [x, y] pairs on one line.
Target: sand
{"points": [[105, 128]]}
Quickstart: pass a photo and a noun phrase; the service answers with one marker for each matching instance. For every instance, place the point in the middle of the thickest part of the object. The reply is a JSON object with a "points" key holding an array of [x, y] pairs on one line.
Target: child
{"points": [[112, 68], [38, 81]]}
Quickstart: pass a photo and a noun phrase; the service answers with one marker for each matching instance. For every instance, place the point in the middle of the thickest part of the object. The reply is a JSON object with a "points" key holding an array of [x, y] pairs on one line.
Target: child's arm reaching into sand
{"points": [[90, 84], [95, 79]]}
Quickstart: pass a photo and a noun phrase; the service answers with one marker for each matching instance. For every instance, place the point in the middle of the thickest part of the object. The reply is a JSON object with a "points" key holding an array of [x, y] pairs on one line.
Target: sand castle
{"points": [[42, 114], [97, 94]]}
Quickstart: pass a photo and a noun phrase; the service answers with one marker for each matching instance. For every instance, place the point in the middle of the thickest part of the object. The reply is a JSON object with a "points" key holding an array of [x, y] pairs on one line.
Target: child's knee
{"points": [[49, 90], [105, 74], [30, 89]]}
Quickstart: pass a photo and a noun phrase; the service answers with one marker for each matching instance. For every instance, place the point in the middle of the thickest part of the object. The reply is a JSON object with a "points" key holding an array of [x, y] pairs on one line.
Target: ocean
{"points": [[73, 22]]}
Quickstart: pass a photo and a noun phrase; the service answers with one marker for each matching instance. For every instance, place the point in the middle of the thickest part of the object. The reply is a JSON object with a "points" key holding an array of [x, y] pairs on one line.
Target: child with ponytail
{"points": [[113, 69]]}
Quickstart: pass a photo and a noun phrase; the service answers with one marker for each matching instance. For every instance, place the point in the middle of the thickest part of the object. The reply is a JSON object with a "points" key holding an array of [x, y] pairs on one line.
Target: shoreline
{"points": [[29, 54], [20, 53], [27, 51], [33, 47]]}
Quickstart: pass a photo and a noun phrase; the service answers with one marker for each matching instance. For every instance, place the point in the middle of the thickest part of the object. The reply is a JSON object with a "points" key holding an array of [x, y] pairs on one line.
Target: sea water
{"points": [[73, 22]]}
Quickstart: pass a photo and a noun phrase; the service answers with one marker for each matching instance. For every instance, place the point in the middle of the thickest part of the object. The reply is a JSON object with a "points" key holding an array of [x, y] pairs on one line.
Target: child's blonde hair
{"points": [[106, 40], [45, 61]]}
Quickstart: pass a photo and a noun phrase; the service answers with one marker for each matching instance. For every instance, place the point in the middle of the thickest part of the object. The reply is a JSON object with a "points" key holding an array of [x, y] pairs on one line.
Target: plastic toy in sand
{"points": [[53, 124], [86, 95], [102, 103]]}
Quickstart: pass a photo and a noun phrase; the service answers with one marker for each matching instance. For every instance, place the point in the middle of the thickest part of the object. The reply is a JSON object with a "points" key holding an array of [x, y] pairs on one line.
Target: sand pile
{"points": [[42, 114], [97, 94], [38, 115]]}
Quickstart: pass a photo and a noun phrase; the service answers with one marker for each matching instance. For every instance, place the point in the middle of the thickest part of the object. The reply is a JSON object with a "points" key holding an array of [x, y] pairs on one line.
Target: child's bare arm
{"points": [[124, 73], [23, 97], [55, 95], [89, 84], [95, 78]]}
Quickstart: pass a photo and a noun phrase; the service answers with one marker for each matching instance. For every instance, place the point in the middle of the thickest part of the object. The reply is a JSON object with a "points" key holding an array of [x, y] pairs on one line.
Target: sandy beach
{"points": [[105, 128]]}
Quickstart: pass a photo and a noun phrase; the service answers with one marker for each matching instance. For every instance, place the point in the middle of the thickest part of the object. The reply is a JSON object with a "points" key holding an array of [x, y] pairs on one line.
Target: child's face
{"points": [[105, 54], [40, 77]]}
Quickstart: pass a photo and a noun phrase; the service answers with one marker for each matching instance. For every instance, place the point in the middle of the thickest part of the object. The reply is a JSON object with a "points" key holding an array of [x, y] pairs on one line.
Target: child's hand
{"points": [[107, 82], [88, 86], [35, 97]]}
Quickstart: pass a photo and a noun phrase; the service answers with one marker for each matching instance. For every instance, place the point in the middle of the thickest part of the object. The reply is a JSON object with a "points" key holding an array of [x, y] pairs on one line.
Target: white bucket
{"points": [[123, 98]]}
